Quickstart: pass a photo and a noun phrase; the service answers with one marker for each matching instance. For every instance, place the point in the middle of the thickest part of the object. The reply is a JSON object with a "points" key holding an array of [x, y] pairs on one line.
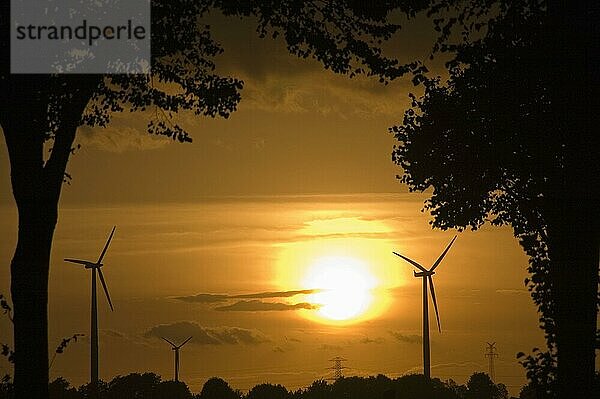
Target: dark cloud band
{"points": [[260, 306], [216, 298], [207, 335]]}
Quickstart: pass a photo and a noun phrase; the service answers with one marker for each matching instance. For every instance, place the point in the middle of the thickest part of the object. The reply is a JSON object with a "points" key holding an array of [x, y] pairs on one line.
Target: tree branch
{"points": [[70, 120]]}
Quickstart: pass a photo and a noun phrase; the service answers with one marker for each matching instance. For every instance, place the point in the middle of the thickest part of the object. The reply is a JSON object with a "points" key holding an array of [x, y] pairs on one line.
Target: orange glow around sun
{"points": [[344, 288], [347, 289], [351, 274]]}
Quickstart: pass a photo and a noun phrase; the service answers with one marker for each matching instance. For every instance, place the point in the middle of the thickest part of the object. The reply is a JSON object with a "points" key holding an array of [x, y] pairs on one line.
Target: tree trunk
{"points": [[36, 198], [574, 255], [29, 289], [36, 188], [574, 241]]}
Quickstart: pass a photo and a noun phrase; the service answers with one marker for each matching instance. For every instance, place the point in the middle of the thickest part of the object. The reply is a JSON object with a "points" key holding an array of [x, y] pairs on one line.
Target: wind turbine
{"points": [[427, 278], [95, 266], [176, 349]]}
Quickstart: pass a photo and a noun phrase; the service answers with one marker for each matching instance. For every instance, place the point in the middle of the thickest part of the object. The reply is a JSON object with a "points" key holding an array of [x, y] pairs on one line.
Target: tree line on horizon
{"points": [[151, 386]]}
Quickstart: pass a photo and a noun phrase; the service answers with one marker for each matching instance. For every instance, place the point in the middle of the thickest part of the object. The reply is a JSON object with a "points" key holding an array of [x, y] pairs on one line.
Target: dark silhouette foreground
{"points": [[150, 386], [510, 137]]}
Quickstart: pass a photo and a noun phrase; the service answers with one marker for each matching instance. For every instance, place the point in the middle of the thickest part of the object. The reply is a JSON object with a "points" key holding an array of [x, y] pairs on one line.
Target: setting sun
{"points": [[344, 287]]}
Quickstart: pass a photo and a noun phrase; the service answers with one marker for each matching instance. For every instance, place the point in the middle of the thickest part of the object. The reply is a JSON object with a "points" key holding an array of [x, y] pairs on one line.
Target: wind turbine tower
{"points": [[427, 276], [96, 268], [491, 353], [176, 350]]}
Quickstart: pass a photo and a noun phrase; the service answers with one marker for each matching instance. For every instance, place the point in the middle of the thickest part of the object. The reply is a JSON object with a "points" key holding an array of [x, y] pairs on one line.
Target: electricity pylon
{"points": [[491, 353], [337, 367]]}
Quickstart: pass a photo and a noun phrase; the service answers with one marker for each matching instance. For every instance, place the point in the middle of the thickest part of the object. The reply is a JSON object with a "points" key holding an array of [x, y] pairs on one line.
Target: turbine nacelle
{"points": [[427, 275], [423, 274], [97, 265], [88, 264], [175, 348]]}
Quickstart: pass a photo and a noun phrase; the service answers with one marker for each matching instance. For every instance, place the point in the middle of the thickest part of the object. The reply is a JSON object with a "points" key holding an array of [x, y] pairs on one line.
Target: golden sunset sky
{"points": [[223, 238]]}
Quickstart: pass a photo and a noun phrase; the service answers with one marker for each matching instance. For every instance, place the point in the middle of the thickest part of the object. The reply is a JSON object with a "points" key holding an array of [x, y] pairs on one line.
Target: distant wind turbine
{"points": [[176, 349], [95, 266], [427, 278]]}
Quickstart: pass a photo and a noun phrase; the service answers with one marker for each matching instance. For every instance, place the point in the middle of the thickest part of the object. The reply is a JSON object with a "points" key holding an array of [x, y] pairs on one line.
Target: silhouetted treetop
{"points": [[481, 386], [217, 388], [268, 391], [509, 138], [482, 139]]}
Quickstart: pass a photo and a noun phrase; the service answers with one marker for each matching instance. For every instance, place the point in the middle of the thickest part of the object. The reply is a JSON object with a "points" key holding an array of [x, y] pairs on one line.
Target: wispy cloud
{"points": [[207, 335], [329, 347], [121, 135], [114, 336], [203, 298], [367, 340], [260, 306], [512, 291], [216, 298], [441, 366], [275, 294], [409, 339]]}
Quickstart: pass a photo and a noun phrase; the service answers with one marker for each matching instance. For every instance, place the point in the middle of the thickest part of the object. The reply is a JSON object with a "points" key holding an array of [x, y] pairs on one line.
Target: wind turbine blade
{"points": [[184, 342], [79, 261], [105, 289], [107, 244], [437, 315], [412, 262], [171, 343], [437, 262]]}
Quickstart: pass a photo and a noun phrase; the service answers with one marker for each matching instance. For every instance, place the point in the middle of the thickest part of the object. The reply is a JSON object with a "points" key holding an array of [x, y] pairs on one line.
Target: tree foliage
{"points": [[506, 138], [268, 391], [483, 138], [481, 386], [150, 386], [217, 388]]}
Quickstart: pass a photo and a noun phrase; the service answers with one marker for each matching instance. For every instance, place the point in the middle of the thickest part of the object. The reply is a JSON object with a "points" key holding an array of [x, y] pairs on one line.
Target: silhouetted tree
{"points": [[481, 386], [268, 391], [6, 387], [343, 35], [132, 386], [511, 138], [361, 387], [416, 386], [150, 386], [460, 391], [62, 389], [87, 391], [217, 388], [531, 391], [172, 390], [319, 389]]}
